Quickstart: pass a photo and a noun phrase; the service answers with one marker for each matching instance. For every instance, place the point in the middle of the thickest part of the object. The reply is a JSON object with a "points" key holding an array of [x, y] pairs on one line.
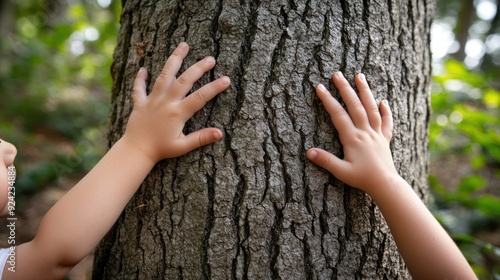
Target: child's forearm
{"points": [[427, 249], [75, 225], [365, 131]]}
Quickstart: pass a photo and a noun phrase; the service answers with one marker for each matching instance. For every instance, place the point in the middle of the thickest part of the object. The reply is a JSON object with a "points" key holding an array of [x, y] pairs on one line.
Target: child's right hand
{"points": [[157, 120], [365, 133]]}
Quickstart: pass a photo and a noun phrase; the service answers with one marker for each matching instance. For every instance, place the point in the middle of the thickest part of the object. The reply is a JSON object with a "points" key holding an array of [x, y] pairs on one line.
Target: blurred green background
{"points": [[55, 85]]}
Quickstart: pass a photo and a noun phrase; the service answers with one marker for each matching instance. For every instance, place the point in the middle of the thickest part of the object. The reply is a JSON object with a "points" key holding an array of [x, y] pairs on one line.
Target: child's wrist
{"points": [[134, 151], [389, 183]]}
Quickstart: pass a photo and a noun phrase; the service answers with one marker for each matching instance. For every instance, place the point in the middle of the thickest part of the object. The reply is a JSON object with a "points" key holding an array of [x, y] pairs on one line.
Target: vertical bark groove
{"points": [[209, 224]]}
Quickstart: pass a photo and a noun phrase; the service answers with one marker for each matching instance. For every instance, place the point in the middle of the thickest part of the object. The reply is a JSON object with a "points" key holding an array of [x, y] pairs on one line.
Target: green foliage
{"points": [[466, 125], [54, 87]]}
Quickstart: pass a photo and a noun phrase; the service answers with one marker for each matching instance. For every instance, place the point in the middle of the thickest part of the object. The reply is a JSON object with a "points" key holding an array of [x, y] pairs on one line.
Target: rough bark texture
{"points": [[252, 206]]}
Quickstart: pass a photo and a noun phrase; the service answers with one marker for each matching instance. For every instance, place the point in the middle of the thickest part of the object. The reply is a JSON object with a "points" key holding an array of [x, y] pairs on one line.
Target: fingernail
{"points": [[386, 103], [209, 59], [340, 75], [362, 77], [216, 135], [322, 87], [225, 80], [311, 154], [182, 45]]}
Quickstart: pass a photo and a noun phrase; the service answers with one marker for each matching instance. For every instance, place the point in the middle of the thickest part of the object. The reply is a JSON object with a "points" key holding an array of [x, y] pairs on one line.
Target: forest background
{"points": [[55, 84]]}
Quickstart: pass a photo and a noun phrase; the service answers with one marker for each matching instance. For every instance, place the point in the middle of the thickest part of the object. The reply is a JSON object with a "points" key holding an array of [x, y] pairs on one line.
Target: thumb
{"points": [[328, 161], [201, 138], [387, 122], [139, 91]]}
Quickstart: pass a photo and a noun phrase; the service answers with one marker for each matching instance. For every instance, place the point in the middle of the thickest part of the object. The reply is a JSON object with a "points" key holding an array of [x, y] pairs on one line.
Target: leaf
{"points": [[457, 70], [471, 184], [491, 98], [488, 205]]}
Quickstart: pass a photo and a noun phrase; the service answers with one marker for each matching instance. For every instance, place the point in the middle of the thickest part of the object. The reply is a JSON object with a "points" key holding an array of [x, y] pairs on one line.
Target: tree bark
{"points": [[465, 20], [252, 206]]}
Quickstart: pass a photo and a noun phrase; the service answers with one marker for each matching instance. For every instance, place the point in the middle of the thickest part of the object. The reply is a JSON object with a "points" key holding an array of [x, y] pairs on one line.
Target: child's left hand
{"points": [[156, 123], [73, 227]]}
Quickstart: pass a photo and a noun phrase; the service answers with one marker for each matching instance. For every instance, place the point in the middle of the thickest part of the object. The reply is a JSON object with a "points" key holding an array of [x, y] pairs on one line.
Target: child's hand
{"points": [[156, 123], [365, 133]]}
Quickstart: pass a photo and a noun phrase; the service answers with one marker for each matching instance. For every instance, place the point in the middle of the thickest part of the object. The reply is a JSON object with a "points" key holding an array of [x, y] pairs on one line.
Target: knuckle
{"points": [[337, 111], [200, 96], [136, 90], [200, 65], [323, 160], [375, 111], [365, 88], [389, 135], [175, 57], [375, 117], [176, 53], [160, 80], [202, 140], [346, 88], [357, 104], [164, 74], [183, 79], [337, 115]]}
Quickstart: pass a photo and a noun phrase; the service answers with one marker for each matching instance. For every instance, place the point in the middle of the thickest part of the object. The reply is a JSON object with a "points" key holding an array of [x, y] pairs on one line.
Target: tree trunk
{"points": [[252, 206], [465, 20]]}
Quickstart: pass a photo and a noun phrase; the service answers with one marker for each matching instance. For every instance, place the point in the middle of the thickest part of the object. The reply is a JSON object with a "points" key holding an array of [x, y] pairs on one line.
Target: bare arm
{"points": [[365, 131], [74, 226]]}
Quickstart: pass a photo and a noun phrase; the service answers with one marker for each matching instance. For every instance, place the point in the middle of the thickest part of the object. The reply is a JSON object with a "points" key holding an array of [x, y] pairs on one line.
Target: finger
{"points": [[139, 90], [354, 106], [194, 102], [337, 167], [172, 66], [366, 97], [340, 119], [200, 138], [185, 82], [387, 121]]}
